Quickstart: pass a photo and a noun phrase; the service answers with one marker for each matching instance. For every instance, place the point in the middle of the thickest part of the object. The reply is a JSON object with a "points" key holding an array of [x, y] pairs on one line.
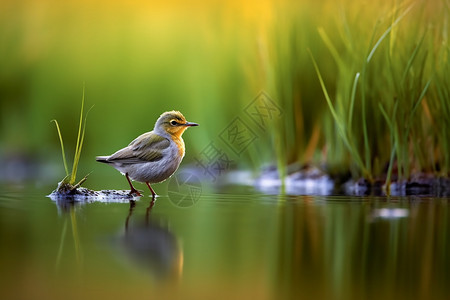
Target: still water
{"points": [[236, 244]]}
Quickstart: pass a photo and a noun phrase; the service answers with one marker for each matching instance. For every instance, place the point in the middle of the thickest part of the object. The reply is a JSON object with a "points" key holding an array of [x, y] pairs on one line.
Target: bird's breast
{"points": [[180, 145]]}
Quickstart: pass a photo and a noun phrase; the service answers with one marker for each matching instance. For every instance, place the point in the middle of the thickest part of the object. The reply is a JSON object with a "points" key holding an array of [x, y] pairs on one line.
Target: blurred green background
{"points": [[210, 59]]}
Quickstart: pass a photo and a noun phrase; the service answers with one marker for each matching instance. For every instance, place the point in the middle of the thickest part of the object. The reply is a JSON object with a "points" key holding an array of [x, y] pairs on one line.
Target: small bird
{"points": [[153, 156]]}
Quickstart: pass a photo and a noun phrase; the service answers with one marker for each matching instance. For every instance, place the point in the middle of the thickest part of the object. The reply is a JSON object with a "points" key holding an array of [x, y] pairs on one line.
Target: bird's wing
{"points": [[147, 147]]}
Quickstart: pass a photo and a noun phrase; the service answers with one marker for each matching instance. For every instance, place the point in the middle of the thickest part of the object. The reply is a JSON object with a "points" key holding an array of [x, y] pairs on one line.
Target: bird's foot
{"points": [[135, 192]]}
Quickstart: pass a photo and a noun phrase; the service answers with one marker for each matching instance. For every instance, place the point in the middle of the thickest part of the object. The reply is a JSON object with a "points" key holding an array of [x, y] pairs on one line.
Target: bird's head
{"points": [[173, 122]]}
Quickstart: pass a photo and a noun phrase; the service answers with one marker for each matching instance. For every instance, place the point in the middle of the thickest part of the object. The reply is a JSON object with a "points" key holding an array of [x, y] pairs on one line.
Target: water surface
{"points": [[230, 245]]}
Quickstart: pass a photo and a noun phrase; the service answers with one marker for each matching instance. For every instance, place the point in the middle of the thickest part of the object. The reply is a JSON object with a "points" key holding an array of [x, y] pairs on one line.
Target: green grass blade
{"points": [[416, 106], [330, 47], [386, 117], [324, 89], [393, 143], [78, 146], [78, 152], [62, 147], [352, 100], [385, 34], [421, 97], [412, 58]]}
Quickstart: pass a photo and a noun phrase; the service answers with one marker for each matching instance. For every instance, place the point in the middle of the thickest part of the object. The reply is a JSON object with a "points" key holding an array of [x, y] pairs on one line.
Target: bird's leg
{"points": [[153, 192], [133, 190]]}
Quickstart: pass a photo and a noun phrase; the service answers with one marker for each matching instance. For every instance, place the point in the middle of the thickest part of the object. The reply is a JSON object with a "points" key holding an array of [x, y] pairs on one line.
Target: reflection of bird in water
{"points": [[152, 246]]}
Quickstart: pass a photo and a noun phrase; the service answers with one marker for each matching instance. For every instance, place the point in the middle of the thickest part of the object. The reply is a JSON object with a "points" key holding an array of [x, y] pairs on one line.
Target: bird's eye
{"points": [[173, 123]]}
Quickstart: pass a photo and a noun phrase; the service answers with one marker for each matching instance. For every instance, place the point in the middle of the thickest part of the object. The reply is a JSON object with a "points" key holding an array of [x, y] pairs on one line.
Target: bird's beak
{"points": [[189, 124]]}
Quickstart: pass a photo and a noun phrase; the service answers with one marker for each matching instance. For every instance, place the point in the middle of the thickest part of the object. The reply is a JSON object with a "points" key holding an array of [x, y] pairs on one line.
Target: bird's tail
{"points": [[102, 159]]}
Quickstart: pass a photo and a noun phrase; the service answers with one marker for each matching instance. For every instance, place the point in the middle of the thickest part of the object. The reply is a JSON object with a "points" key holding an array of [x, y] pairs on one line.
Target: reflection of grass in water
{"points": [[67, 184], [76, 240], [61, 245]]}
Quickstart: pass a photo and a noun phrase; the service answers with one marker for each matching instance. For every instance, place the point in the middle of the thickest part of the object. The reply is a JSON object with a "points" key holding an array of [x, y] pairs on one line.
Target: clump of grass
{"points": [[67, 185], [359, 142], [344, 129], [383, 72], [394, 87]]}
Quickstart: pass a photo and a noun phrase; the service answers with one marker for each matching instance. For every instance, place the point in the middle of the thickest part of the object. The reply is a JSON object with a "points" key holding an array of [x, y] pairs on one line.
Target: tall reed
{"points": [[383, 72]]}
